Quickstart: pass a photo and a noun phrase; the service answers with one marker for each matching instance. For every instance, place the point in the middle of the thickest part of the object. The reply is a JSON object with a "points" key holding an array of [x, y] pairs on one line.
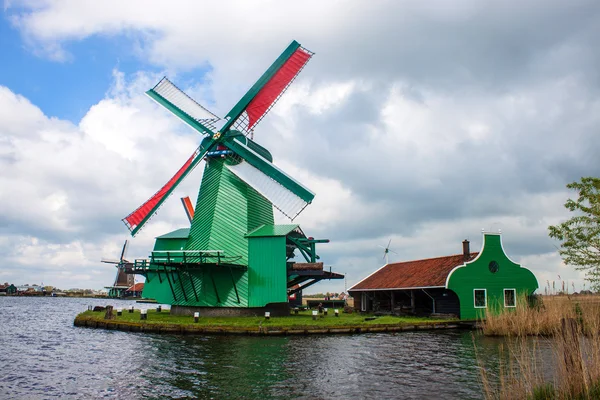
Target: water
{"points": [[44, 356]]}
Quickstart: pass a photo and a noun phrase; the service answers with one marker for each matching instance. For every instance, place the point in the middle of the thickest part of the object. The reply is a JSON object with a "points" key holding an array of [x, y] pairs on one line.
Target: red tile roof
{"points": [[412, 274], [138, 287]]}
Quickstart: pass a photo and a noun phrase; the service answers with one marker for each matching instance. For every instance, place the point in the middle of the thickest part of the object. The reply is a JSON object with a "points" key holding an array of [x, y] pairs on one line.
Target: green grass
{"points": [[301, 321]]}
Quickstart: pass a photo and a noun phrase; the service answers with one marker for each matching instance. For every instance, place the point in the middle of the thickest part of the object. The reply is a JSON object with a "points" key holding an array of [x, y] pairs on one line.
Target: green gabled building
{"points": [[491, 281], [233, 259], [468, 285]]}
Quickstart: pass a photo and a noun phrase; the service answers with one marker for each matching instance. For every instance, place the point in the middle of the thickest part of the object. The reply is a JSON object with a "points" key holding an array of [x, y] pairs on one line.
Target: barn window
{"points": [[510, 298], [480, 298]]}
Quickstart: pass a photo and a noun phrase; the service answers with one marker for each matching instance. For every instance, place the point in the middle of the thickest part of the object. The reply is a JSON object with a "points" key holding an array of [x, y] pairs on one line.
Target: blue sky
{"points": [[65, 90], [422, 123]]}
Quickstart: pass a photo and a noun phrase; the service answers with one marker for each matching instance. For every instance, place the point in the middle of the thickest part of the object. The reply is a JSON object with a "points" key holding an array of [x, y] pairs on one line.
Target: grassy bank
{"points": [[567, 328], [302, 322]]}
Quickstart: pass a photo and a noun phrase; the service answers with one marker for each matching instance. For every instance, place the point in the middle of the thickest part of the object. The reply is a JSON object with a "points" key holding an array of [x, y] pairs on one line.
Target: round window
{"points": [[493, 267]]}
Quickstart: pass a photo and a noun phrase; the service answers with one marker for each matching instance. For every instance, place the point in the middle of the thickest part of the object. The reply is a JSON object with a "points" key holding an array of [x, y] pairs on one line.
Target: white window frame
{"points": [[475, 300], [514, 298]]}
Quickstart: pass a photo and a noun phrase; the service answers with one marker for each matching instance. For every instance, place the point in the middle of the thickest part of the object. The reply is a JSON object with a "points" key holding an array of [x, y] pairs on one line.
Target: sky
{"points": [[423, 122]]}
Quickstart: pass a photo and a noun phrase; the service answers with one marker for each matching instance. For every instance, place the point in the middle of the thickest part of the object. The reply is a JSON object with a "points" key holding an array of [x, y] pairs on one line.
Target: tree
{"points": [[580, 235]]}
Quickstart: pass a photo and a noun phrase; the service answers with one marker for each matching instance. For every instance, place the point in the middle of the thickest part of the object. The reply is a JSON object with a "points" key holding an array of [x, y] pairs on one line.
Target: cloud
{"points": [[420, 122], [66, 186]]}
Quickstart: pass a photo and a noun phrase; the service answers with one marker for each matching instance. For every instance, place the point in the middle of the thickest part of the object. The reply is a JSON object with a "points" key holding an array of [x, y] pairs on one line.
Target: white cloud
{"points": [[68, 185], [419, 122]]}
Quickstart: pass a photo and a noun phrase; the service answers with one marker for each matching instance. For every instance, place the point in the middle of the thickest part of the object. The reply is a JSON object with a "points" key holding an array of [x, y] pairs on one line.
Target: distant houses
{"points": [[7, 289], [11, 289], [40, 290], [135, 290], [468, 285]]}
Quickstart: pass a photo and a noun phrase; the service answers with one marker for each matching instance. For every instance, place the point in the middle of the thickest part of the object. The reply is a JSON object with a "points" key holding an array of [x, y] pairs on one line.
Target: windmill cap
{"points": [[248, 142]]}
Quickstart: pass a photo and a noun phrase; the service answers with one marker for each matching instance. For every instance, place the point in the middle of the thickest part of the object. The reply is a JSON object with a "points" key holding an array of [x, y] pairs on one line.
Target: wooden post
{"points": [[412, 301], [393, 302], [131, 309], [337, 312], [109, 313], [159, 308], [267, 315], [196, 316], [119, 312], [143, 314], [325, 311], [296, 310], [314, 315]]}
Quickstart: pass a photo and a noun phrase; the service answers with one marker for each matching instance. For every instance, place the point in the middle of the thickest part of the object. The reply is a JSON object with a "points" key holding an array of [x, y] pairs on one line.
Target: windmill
{"points": [[248, 161], [386, 251], [210, 264], [123, 281]]}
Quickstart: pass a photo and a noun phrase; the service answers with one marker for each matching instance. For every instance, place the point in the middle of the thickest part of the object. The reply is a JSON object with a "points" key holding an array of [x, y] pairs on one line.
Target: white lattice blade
{"points": [[182, 101], [283, 199]]}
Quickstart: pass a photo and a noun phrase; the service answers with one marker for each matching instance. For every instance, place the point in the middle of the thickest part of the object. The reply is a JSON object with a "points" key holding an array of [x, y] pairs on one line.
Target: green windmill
{"points": [[233, 256]]}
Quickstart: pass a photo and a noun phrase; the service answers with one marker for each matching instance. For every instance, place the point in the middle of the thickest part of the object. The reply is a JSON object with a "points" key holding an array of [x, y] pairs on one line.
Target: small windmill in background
{"points": [[123, 281], [386, 251]]}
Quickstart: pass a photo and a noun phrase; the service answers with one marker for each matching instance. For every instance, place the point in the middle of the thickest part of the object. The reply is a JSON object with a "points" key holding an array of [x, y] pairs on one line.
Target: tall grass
{"points": [[569, 330]]}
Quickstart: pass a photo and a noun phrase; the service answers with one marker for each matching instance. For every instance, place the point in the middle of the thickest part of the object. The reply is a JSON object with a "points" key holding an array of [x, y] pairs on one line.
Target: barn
{"points": [[467, 285]]}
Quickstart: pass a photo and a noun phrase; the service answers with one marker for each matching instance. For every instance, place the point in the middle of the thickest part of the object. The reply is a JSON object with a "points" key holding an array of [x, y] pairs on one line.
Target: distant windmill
{"points": [[123, 281], [386, 251]]}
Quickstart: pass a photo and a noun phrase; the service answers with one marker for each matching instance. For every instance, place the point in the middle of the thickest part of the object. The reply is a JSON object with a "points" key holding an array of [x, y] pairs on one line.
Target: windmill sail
{"points": [[124, 251], [283, 191], [188, 207], [138, 218], [287, 195], [265, 93], [276, 86], [183, 106], [283, 199]]}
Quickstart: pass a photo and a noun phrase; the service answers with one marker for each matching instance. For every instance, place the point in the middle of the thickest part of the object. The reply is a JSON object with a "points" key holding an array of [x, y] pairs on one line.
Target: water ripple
{"points": [[45, 356]]}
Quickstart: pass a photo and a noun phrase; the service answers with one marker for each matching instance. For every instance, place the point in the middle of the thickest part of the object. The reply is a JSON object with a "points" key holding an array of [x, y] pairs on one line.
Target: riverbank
{"points": [[295, 324]]}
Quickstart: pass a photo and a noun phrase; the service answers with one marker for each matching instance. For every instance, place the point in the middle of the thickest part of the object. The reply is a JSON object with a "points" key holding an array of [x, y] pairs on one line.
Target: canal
{"points": [[45, 356]]}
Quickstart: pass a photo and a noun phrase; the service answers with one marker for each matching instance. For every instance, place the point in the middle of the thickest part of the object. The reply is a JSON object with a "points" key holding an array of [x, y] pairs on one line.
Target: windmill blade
{"points": [[265, 93], [392, 251], [183, 106], [110, 261], [188, 207], [143, 213], [287, 195], [283, 199], [124, 251], [390, 242]]}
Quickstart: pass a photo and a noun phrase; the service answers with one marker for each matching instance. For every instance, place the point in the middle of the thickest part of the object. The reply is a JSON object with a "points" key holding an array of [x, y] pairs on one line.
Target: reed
{"points": [[542, 319], [568, 328]]}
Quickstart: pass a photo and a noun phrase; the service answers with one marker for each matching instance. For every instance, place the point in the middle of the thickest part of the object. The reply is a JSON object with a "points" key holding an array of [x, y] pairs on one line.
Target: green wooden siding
{"points": [[477, 275], [220, 218], [226, 210], [260, 210], [203, 283], [169, 244], [267, 271]]}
